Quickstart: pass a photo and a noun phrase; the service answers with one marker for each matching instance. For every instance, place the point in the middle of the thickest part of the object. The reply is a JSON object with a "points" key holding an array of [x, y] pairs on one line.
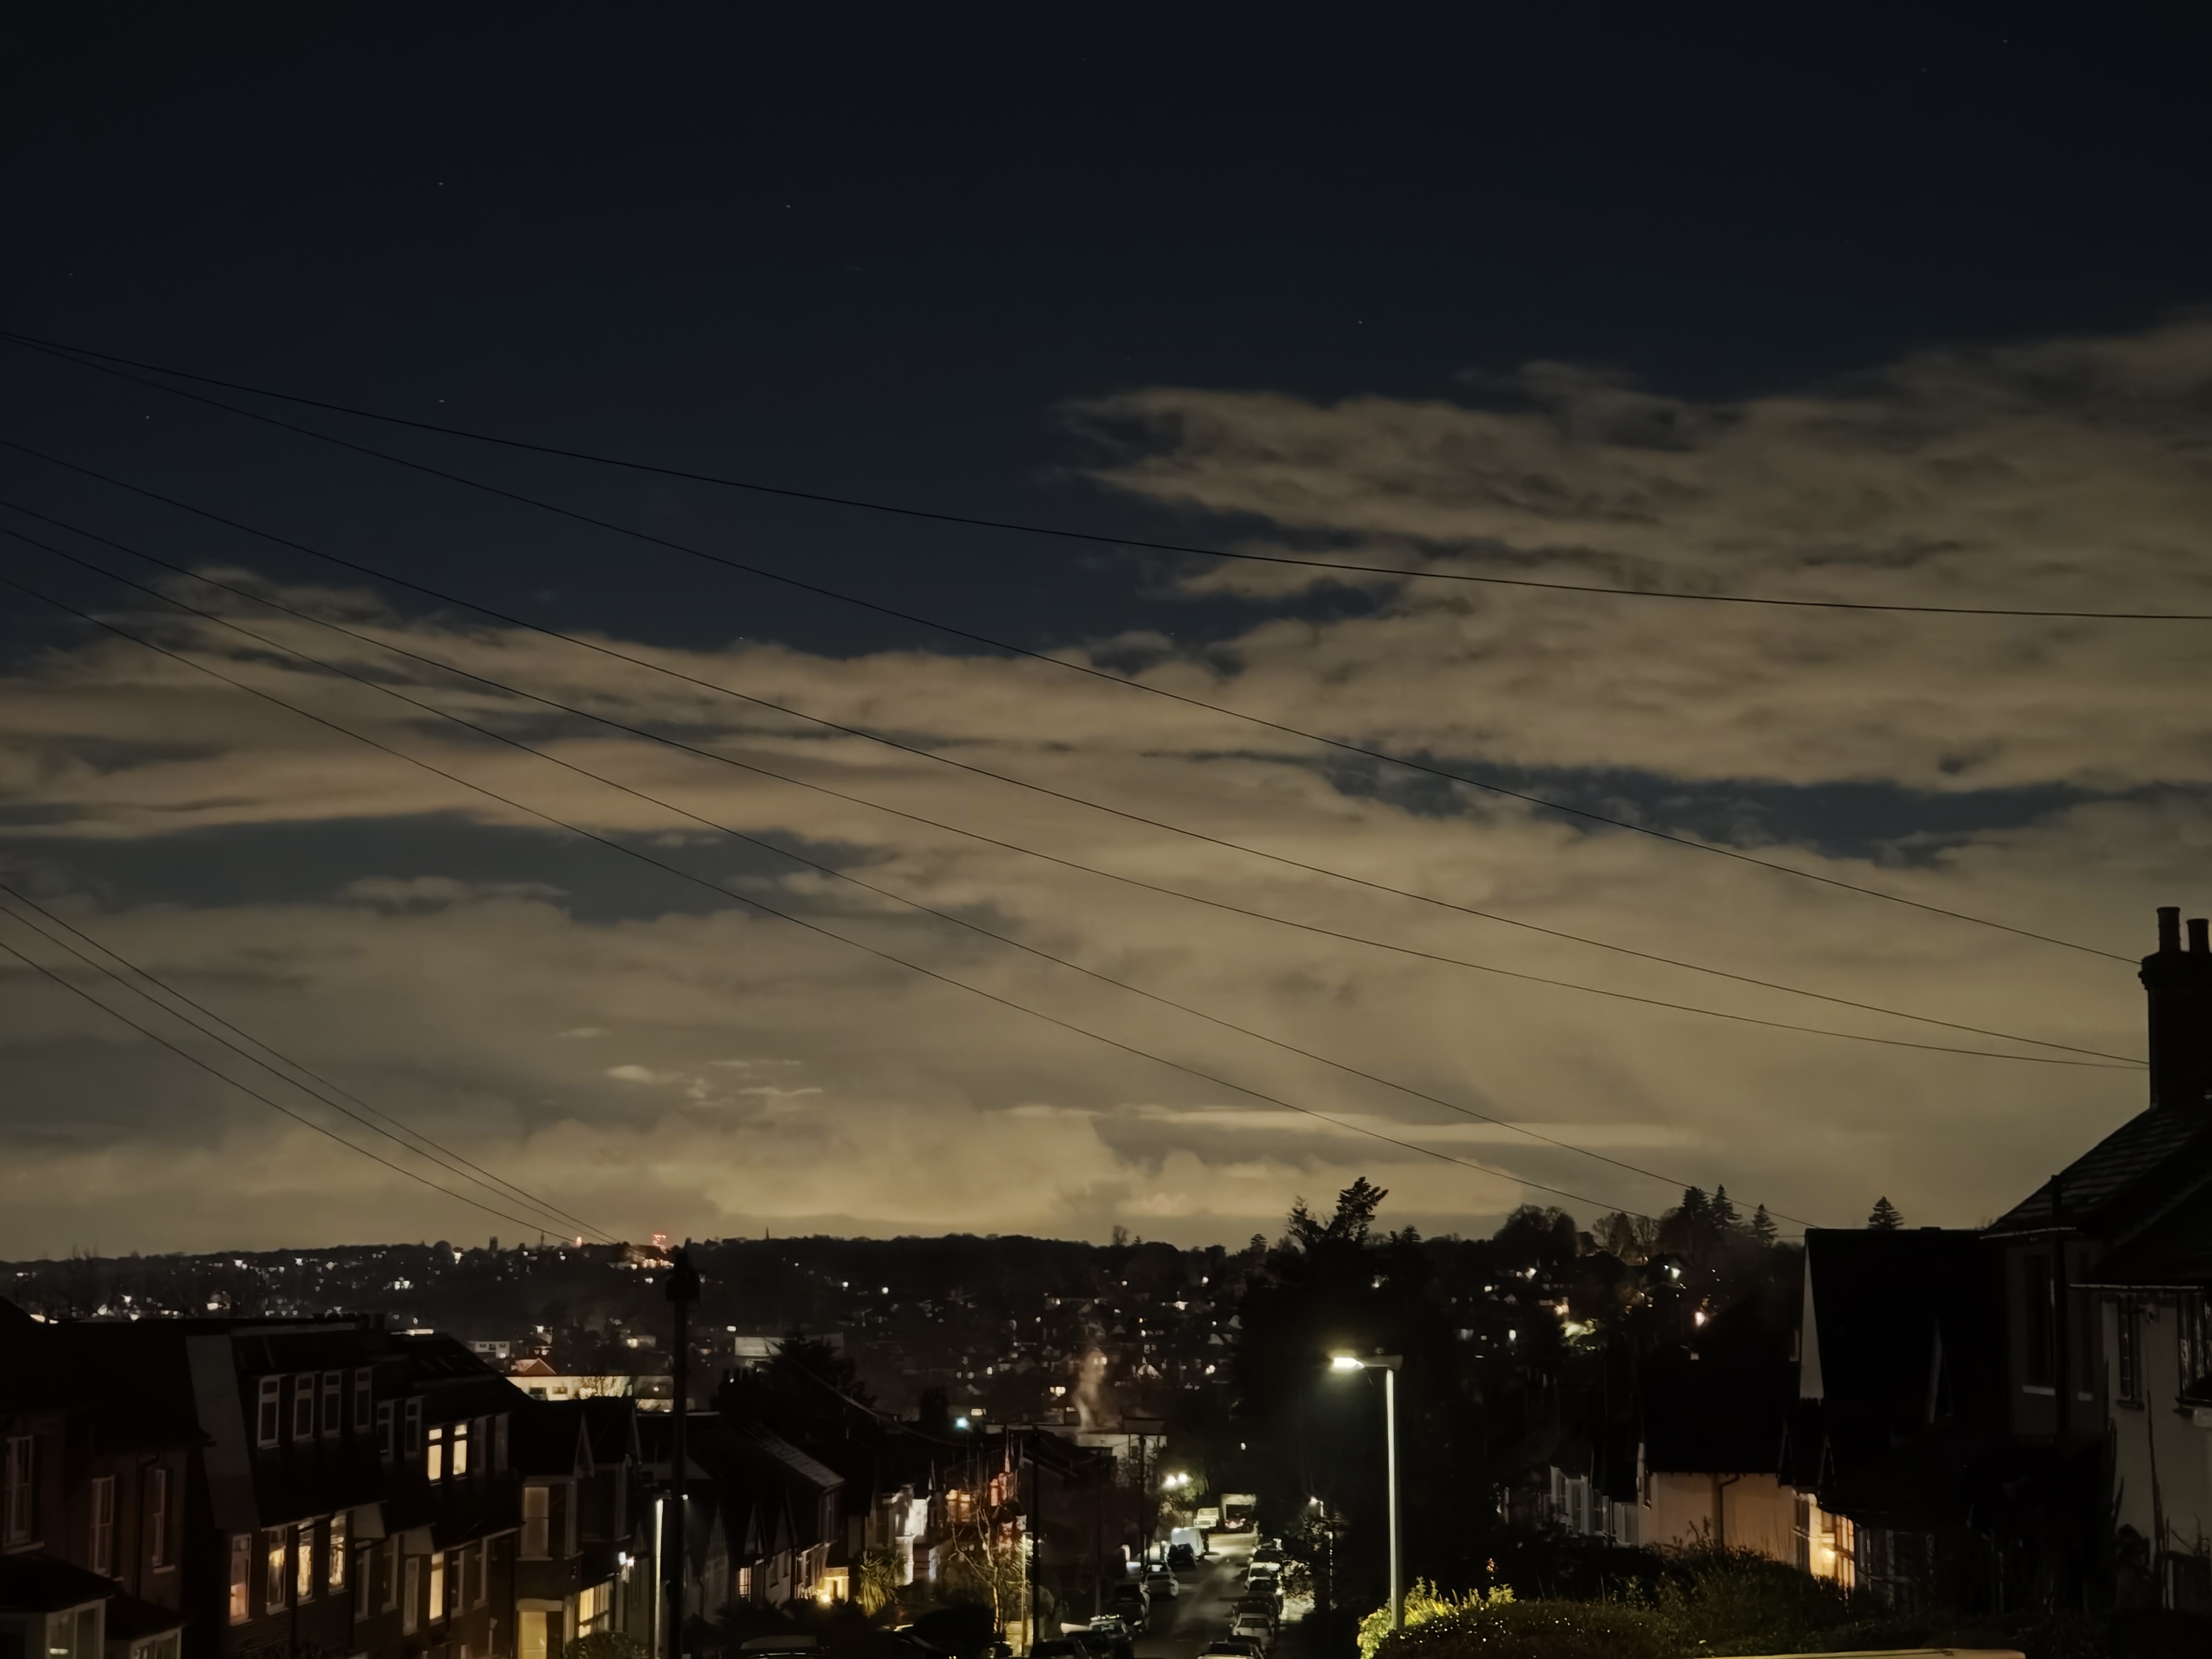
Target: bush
{"points": [[1738, 1601], [1496, 1626], [605, 1644]]}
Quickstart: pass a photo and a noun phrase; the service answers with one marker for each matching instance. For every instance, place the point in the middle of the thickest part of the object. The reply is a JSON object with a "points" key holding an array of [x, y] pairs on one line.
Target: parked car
{"points": [[1160, 1582], [1265, 1606], [1234, 1647], [1269, 1552], [1253, 1628], [1113, 1631], [1181, 1557], [1131, 1600]]}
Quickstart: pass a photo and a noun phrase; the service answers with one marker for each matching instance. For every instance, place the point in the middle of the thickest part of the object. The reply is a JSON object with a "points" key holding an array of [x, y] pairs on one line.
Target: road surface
{"points": [[1180, 1628]]}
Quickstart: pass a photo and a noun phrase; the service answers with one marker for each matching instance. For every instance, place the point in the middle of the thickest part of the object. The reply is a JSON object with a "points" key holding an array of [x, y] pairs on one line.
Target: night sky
{"points": [[1811, 303]]}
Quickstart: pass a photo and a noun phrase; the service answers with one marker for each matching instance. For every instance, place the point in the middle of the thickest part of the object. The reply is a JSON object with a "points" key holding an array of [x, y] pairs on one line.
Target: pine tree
{"points": [[1884, 1217], [1723, 1212], [1762, 1227], [1696, 1208]]}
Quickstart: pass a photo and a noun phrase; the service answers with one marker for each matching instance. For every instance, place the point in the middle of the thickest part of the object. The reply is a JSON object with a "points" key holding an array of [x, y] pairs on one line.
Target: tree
{"points": [[1723, 1212], [1884, 1217], [1355, 1216], [1762, 1227]]}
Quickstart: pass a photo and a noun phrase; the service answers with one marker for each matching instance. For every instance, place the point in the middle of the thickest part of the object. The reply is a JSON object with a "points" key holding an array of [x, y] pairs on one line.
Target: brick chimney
{"points": [[2178, 985]]}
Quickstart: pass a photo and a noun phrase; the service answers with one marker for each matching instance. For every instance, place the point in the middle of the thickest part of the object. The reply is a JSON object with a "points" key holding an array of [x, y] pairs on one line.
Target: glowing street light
{"points": [[1344, 1360]]}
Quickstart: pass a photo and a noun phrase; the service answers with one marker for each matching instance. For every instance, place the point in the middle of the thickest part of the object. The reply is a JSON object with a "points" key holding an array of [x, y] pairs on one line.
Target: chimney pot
{"points": [[2169, 927], [2197, 942]]}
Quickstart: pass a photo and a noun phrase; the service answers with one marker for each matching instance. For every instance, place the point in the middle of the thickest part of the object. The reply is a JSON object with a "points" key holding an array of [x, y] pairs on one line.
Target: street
{"points": [[1180, 1628]]}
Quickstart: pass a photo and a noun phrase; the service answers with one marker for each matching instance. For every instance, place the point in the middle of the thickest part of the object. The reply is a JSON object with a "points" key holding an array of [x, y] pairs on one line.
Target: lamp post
{"points": [[1388, 1363]]}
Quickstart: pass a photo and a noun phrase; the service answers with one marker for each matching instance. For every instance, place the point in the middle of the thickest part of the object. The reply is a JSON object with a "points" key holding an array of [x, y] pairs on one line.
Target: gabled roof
{"points": [[2126, 1179], [40, 1583]]}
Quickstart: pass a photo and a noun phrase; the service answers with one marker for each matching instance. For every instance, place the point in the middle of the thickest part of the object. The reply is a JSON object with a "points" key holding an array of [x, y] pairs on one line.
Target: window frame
{"points": [[387, 1434], [364, 1399], [2127, 1353], [303, 1563], [333, 1412], [411, 1616], [337, 1547], [19, 1490], [539, 1526], [414, 1426], [457, 1452], [434, 1456], [241, 1577], [276, 1577], [390, 1575], [157, 1519], [303, 1406], [269, 1413], [101, 1552]]}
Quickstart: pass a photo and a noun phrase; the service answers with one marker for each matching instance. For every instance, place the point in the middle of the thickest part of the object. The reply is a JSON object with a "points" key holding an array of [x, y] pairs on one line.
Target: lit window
{"points": [[269, 1420], [437, 1587], [103, 1525], [303, 1562], [460, 1450], [303, 1407], [437, 1464], [274, 1584], [337, 1545], [333, 1402], [241, 1575]]}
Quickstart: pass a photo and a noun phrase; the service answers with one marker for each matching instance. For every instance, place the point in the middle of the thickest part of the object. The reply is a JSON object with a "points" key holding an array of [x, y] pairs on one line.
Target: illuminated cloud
{"points": [[2061, 766]]}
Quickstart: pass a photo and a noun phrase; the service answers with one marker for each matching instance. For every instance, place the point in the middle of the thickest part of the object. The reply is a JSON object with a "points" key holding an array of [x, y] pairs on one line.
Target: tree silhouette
{"points": [[1723, 1212], [1762, 1227], [1884, 1217]]}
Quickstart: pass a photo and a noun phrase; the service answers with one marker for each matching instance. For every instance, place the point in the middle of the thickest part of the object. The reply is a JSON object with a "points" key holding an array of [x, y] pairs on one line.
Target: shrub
{"points": [[605, 1644], [1734, 1599], [1496, 1626]]}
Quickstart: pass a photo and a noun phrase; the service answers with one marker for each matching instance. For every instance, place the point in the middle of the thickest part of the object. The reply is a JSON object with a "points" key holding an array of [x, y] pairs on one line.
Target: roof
{"points": [[2173, 1250], [2132, 1172], [40, 1583]]}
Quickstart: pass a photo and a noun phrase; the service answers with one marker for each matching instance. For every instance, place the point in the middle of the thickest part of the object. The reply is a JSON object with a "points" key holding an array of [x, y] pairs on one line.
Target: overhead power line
{"points": [[798, 584], [751, 903], [323, 1088], [85, 357], [1009, 846], [971, 767], [665, 805], [220, 1075]]}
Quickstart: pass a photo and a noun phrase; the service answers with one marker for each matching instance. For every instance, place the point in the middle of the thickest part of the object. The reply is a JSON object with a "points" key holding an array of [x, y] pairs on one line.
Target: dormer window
{"points": [[303, 1407], [364, 1402], [333, 1403], [269, 1417]]}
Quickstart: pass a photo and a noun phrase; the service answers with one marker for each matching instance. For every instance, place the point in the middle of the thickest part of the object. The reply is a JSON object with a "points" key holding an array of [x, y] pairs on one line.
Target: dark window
{"points": [[269, 1422], [363, 1400], [2128, 1360], [333, 1403], [2036, 1324], [2189, 1340], [303, 1407]]}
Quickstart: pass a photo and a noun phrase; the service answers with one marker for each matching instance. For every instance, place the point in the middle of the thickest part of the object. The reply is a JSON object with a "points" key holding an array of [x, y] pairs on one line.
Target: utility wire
{"points": [[505, 1191], [223, 1076], [831, 871], [799, 921], [1056, 794], [85, 357], [1341, 745]]}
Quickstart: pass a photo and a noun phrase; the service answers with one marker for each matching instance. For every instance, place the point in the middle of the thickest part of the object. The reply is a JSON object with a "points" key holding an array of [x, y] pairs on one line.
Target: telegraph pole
{"points": [[683, 1290]]}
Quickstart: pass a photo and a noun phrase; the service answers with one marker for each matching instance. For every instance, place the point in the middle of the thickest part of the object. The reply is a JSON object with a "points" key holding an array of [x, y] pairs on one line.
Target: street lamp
{"points": [[1344, 1360]]}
